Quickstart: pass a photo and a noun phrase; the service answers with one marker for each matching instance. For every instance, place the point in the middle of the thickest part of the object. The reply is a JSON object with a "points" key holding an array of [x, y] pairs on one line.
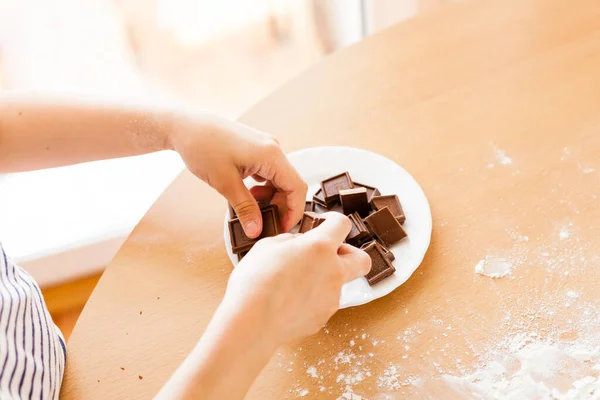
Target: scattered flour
{"points": [[535, 369], [564, 233], [494, 267], [501, 157], [350, 396], [572, 294], [527, 357]]}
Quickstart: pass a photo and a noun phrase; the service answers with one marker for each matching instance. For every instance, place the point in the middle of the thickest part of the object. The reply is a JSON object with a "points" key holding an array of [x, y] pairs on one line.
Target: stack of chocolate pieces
{"points": [[240, 243], [376, 220]]}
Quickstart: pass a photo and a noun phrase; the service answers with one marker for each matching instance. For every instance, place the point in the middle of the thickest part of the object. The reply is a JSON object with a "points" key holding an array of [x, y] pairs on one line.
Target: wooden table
{"points": [[494, 107]]}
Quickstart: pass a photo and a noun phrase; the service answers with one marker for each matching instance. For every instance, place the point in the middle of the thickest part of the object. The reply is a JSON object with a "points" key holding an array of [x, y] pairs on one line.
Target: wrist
{"points": [[186, 127], [250, 318], [169, 131], [226, 360]]}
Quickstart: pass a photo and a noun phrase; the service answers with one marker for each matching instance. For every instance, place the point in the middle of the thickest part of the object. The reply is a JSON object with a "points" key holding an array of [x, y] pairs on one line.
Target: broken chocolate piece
{"points": [[358, 232], [241, 243], [371, 191], [318, 221], [319, 198], [355, 200], [383, 225], [308, 206], [332, 186], [307, 221], [381, 266], [310, 220], [392, 203]]}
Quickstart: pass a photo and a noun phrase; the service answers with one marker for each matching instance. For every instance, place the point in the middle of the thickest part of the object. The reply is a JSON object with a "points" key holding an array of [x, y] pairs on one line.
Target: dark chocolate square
{"points": [[371, 191], [391, 202], [241, 243], [308, 206], [332, 186], [381, 266], [306, 222], [383, 225], [319, 198], [355, 200], [310, 220]]}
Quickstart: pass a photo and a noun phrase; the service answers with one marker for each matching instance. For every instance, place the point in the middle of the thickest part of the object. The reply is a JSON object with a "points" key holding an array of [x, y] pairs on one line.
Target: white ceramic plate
{"points": [[318, 163]]}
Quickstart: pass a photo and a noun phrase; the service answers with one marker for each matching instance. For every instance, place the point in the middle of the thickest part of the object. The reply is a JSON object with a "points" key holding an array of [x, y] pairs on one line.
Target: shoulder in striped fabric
{"points": [[32, 349]]}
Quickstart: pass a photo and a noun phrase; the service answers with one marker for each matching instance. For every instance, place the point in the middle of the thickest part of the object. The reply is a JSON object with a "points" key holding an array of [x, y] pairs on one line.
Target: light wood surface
{"points": [[494, 107], [65, 302]]}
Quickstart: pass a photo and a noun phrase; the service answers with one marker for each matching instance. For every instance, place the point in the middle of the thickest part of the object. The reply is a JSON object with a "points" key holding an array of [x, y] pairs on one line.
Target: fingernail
{"points": [[252, 229]]}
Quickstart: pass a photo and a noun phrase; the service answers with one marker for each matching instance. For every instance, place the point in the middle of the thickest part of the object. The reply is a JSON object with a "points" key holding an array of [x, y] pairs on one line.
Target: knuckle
{"points": [[274, 139], [244, 208], [271, 146], [320, 245]]}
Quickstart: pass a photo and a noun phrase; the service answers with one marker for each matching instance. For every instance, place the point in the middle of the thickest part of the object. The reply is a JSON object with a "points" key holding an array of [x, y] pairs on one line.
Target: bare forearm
{"points": [[43, 132], [225, 362]]}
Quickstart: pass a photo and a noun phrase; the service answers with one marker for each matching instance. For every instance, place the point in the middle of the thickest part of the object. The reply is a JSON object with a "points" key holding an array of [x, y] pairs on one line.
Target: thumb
{"points": [[245, 207]]}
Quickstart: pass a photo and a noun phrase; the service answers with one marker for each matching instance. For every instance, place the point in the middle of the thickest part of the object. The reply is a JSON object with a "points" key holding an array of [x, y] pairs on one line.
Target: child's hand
{"points": [[286, 288], [291, 284], [223, 152]]}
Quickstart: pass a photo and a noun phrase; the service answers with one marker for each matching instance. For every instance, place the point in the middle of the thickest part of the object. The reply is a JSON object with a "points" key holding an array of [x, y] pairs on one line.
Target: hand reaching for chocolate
{"points": [[286, 288], [222, 153], [297, 278]]}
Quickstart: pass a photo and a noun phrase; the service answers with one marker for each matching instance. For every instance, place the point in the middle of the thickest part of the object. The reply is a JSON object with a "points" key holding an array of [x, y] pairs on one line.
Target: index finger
{"points": [[335, 228], [289, 181]]}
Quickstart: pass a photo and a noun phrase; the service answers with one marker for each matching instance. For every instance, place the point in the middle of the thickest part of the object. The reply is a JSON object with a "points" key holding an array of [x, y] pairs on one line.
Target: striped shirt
{"points": [[32, 349]]}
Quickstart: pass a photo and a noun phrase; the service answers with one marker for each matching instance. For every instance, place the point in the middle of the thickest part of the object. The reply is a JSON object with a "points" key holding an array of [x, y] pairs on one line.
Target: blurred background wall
{"points": [[223, 55]]}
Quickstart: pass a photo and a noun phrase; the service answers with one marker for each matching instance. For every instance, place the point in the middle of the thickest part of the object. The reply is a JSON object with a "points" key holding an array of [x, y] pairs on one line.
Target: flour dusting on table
{"points": [[534, 369], [494, 267], [541, 341], [501, 157]]}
